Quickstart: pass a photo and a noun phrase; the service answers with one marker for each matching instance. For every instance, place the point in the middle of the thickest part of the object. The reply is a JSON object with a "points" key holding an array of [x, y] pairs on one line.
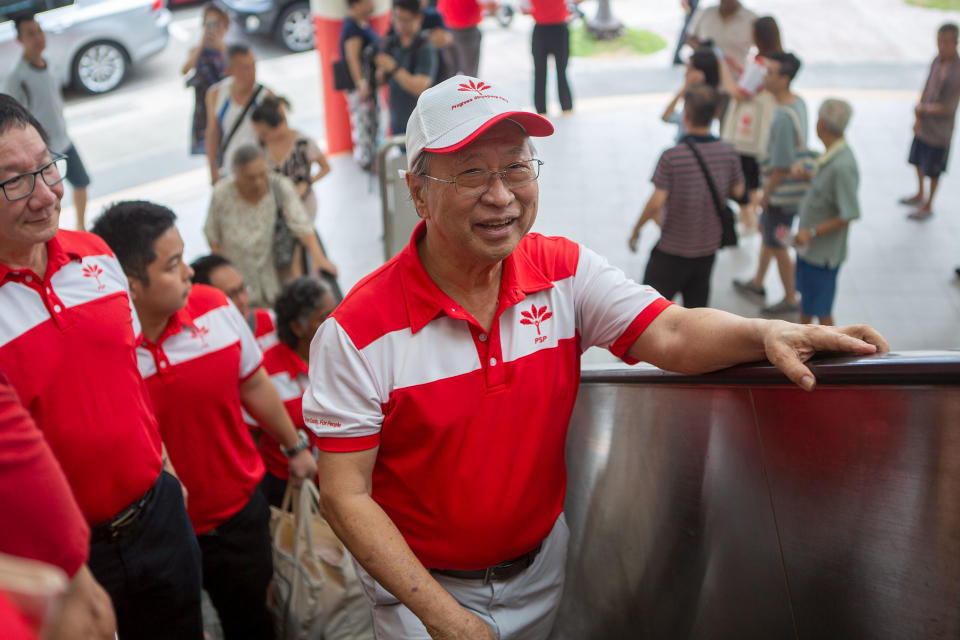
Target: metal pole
{"points": [[604, 26]]}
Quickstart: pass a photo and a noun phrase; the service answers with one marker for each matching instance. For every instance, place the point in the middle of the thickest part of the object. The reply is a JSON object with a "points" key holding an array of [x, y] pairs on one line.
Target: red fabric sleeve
{"points": [[34, 493], [13, 623]]}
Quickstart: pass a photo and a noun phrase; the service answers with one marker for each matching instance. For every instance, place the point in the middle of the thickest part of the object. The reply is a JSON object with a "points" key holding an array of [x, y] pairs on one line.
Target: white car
{"points": [[91, 43]]}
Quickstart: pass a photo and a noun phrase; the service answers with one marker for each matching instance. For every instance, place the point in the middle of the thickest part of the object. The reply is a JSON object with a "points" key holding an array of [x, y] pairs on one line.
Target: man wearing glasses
{"points": [[442, 386], [67, 339]]}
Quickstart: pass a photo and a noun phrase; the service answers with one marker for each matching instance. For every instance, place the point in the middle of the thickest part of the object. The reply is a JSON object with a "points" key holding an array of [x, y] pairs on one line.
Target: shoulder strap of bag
{"points": [[239, 121], [706, 174], [414, 51], [796, 128], [276, 195]]}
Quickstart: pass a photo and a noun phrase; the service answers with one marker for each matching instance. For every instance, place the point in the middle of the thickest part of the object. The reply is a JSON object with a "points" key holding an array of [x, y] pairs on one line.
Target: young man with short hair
{"points": [[408, 62], [682, 261], [35, 85], [782, 193], [935, 117], [201, 364]]}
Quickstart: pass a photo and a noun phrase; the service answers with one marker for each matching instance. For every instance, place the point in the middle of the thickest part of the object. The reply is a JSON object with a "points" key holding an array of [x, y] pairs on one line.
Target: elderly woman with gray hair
{"points": [[242, 222]]}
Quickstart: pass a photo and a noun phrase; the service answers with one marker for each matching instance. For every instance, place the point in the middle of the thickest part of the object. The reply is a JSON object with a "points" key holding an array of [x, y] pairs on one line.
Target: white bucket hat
{"points": [[452, 114]]}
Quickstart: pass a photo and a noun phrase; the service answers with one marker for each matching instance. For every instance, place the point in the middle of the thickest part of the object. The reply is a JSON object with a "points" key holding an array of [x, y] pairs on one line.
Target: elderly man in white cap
{"points": [[442, 387]]}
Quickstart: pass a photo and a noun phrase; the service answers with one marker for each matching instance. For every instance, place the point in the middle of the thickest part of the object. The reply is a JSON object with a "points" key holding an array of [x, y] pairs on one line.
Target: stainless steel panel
{"points": [[735, 506], [866, 488], [672, 535]]}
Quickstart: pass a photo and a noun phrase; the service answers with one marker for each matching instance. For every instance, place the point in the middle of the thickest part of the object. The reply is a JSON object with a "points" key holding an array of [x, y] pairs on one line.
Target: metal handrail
{"points": [[904, 367]]}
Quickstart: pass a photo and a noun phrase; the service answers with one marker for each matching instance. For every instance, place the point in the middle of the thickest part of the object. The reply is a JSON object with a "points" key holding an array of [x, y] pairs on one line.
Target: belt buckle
{"points": [[493, 573]]}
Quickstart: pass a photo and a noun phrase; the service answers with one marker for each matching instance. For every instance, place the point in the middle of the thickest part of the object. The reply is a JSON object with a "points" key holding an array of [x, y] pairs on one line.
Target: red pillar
{"points": [[328, 16]]}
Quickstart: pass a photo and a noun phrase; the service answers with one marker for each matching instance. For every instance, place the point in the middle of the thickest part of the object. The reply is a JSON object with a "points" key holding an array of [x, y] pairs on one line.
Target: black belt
{"points": [[116, 527], [498, 572]]}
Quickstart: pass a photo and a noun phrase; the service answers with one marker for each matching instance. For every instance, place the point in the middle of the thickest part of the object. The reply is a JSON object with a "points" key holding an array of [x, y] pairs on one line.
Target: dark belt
{"points": [[498, 572], [118, 525]]}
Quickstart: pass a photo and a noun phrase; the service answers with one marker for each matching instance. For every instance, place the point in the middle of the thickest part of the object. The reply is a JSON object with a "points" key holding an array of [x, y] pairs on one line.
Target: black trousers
{"points": [[670, 275], [551, 39], [152, 569], [237, 568]]}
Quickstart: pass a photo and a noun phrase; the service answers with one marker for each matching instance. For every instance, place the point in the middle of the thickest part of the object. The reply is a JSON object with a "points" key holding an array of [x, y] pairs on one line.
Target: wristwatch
{"points": [[302, 443], [813, 232]]}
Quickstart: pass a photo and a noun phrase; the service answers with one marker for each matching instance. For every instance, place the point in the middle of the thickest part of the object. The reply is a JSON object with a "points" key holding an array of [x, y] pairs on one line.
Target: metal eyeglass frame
{"points": [[490, 173]]}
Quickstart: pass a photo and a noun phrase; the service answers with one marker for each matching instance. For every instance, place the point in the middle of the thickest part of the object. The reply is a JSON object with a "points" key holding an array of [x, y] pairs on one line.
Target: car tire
{"points": [[295, 27], [100, 67]]}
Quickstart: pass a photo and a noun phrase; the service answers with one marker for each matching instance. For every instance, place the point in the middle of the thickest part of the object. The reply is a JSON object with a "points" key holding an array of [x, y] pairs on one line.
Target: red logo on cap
{"points": [[477, 88]]}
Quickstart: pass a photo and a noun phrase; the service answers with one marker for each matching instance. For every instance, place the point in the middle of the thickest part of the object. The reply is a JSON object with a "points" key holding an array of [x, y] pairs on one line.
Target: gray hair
{"points": [[835, 115], [244, 155]]}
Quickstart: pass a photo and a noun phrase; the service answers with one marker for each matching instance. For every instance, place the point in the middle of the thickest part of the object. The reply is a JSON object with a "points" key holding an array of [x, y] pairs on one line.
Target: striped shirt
{"points": [[691, 226]]}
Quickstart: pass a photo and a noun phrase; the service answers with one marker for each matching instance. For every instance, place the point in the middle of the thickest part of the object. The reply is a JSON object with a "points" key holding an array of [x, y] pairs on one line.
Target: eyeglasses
{"points": [[476, 182], [211, 24], [21, 186]]}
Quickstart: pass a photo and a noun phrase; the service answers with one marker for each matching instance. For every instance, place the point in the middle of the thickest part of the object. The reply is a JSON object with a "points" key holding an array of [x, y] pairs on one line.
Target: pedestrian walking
{"points": [[684, 206], [205, 66], [935, 115], [36, 85], [829, 207]]}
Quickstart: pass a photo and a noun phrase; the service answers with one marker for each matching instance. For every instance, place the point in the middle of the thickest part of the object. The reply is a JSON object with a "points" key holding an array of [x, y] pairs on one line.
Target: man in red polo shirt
{"points": [[69, 353], [442, 386], [200, 362], [218, 272]]}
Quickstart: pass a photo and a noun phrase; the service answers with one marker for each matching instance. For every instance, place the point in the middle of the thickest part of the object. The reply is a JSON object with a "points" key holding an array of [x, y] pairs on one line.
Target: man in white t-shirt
{"points": [[730, 26], [35, 85]]}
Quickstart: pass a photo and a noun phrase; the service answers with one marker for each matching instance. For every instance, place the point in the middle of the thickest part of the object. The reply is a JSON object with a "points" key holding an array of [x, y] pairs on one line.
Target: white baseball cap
{"points": [[450, 115]]}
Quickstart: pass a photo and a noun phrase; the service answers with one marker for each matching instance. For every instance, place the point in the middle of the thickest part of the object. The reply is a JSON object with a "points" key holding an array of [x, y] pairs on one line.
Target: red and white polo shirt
{"points": [[34, 494], [67, 345], [265, 328], [289, 376], [471, 426], [194, 374]]}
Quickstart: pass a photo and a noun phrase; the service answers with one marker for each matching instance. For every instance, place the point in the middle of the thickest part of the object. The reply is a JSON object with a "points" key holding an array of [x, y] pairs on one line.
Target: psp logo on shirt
{"points": [[536, 318], [93, 270], [202, 333]]}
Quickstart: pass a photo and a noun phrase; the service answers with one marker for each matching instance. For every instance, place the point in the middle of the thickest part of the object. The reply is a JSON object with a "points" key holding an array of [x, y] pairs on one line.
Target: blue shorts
{"points": [[932, 161], [76, 172], [772, 220], [817, 287]]}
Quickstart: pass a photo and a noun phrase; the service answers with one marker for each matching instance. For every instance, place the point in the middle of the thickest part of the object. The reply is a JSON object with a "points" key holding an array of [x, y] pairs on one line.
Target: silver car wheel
{"points": [[296, 29], [101, 67]]}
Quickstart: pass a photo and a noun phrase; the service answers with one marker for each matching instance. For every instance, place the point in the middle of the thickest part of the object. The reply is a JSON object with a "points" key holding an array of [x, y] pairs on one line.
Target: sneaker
{"points": [[911, 200], [782, 307], [920, 214], [748, 287]]}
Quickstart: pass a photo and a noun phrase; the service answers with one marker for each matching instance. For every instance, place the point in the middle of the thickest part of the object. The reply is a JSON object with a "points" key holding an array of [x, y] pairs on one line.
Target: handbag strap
{"points": [[796, 128], [238, 122], [706, 174], [276, 196]]}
